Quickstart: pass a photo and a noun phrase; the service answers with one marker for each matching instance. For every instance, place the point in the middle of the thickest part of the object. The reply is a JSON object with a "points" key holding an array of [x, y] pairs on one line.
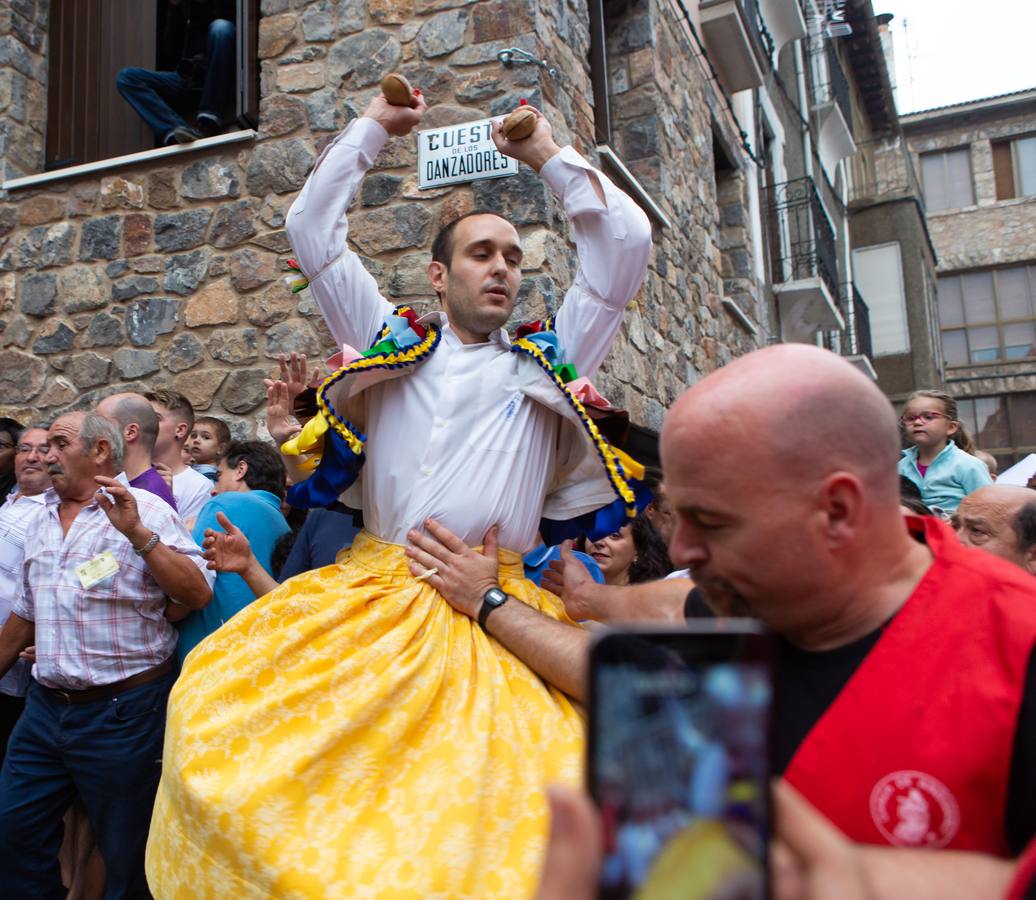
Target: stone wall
{"points": [[169, 272]]}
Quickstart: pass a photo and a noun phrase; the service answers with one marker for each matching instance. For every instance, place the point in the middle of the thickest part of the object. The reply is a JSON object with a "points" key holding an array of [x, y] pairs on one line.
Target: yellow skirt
{"points": [[351, 735]]}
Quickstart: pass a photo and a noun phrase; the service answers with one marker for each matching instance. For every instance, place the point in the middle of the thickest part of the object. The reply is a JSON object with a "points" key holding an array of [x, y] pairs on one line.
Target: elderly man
{"points": [[100, 567], [906, 689], [1000, 519], [18, 510], [138, 422]]}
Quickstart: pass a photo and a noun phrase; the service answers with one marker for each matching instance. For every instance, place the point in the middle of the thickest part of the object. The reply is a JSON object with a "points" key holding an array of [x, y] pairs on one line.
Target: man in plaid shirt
{"points": [[102, 562]]}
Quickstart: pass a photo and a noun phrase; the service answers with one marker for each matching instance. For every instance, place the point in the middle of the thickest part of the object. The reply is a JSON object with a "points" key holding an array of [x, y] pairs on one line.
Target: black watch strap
{"points": [[492, 599]]}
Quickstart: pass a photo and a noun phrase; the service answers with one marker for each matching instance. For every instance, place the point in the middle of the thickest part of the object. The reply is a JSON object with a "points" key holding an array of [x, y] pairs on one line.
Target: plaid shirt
{"points": [[15, 516], [86, 637]]}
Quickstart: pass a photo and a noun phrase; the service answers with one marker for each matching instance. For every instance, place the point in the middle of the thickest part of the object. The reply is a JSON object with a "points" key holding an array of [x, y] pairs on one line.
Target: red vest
{"points": [[916, 749]]}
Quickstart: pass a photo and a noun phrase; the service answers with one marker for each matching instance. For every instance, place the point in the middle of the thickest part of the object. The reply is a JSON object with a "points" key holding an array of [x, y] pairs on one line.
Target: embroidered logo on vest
{"points": [[912, 809]]}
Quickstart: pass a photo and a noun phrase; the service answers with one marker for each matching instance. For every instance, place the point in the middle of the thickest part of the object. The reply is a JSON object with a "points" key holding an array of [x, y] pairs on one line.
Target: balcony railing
{"points": [[855, 338], [802, 241], [836, 88], [881, 169], [756, 24]]}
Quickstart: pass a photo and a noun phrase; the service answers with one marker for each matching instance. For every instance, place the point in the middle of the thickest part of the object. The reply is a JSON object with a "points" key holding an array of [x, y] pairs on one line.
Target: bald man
{"points": [[906, 690], [1000, 519], [133, 416]]}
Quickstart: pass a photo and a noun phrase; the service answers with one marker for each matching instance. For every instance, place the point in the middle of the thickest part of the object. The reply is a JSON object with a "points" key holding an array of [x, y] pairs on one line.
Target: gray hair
{"points": [[96, 427]]}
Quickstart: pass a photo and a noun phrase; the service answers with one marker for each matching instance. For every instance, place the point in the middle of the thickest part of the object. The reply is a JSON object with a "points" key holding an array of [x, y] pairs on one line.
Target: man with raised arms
{"points": [[350, 733]]}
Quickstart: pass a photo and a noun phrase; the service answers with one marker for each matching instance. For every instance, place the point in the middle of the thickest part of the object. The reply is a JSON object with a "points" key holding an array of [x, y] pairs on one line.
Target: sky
{"points": [[949, 51]]}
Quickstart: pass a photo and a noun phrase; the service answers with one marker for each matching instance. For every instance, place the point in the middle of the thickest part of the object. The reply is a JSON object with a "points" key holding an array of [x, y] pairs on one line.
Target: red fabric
{"points": [[1024, 875], [412, 318], [922, 469], [528, 328], [916, 749]]}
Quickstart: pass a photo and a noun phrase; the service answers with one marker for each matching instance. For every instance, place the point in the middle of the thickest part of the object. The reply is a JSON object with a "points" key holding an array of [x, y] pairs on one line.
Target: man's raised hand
{"points": [[397, 120], [534, 150]]}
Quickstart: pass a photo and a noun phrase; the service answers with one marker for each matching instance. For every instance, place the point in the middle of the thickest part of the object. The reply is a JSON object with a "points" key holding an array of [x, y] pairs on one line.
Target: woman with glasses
{"points": [[940, 460], [10, 433]]}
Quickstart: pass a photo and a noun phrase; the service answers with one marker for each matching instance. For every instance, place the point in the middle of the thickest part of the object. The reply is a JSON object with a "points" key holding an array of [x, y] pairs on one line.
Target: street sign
{"points": [[459, 153]]}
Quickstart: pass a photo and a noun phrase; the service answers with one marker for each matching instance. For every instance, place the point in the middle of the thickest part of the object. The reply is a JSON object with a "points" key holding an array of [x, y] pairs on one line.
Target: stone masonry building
{"points": [[977, 162], [124, 265]]}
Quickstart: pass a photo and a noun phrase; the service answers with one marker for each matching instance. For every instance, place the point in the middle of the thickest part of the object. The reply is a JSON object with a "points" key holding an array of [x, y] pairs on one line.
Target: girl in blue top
{"points": [[940, 461]]}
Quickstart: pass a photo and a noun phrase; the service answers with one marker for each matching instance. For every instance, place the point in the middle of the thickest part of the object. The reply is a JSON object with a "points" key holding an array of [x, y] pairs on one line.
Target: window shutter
{"points": [[90, 41], [1003, 171], [248, 63]]}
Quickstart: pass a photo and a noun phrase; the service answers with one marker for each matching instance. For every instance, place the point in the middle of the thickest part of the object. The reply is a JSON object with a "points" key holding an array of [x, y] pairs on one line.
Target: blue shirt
{"points": [[258, 515], [323, 534], [952, 475]]}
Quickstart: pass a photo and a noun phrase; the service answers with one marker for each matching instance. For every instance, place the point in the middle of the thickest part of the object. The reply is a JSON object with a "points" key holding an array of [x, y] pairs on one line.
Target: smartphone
{"points": [[679, 760]]}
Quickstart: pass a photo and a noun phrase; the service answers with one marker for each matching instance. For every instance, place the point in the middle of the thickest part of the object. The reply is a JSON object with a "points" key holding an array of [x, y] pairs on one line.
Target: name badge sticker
{"points": [[97, 569]]}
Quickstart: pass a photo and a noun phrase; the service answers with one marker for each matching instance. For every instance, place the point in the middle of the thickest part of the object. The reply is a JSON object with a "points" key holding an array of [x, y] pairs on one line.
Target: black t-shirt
{"points": [[806, 684]]}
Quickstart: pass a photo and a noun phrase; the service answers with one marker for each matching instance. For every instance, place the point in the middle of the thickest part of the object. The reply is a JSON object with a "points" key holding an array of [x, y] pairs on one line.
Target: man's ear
{"points": [[181, 432], [1029, 560], [240, 470], [439, 276], [842, 496], [131, 432]]}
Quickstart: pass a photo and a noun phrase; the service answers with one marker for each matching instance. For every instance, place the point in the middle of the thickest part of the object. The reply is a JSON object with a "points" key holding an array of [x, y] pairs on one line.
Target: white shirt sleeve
{"points": [[345, 291], [159, 517], [613, 243]]}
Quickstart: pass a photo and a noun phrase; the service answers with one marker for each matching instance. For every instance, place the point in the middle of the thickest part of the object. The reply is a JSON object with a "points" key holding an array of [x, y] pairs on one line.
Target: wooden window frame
{"points": [[1006, 168], [999, 322], [78, 131]]}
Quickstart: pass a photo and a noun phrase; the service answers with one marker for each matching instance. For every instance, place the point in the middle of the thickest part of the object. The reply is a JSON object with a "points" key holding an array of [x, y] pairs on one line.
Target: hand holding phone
{"points": [[679, 760]]}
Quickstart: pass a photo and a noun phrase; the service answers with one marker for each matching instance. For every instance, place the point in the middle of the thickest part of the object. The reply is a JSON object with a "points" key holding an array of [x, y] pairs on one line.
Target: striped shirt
{"points": [[96, 635], [15, 516]]}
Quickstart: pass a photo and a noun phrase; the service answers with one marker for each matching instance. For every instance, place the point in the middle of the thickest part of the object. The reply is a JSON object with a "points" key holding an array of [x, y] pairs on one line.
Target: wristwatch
{"points": [[492, 599]]}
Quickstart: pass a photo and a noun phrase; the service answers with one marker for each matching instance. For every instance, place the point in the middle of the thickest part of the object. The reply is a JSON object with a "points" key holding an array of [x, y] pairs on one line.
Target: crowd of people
{"points": [[347, 661]]}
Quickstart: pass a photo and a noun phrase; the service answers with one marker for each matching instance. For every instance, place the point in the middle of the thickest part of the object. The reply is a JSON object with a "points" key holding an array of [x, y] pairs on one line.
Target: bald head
{"points": [[127, 410], [782, 470], [1000, 519], [798, 412]]}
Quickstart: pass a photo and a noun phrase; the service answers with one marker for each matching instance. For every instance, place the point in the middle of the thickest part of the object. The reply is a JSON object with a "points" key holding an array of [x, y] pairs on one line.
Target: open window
{"points": [[91, 41]]}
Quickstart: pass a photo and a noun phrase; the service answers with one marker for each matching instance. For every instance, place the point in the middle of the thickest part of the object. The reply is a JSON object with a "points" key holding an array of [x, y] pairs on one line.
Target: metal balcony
{"points": [[854, 341], [739, 45], [833, 108], [803, 260]]}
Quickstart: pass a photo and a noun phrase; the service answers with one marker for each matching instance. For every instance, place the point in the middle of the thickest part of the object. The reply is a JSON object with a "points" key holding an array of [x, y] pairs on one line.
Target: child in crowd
{"points": [[940, 462], [207, 444]]}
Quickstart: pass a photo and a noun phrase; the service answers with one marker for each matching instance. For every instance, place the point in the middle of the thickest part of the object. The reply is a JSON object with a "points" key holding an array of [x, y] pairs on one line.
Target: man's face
{"points": [[69, 464], [30, 467], [480, 286], [985, 519], [230, 480], [660, 514], [751, 546], [171, 430]]}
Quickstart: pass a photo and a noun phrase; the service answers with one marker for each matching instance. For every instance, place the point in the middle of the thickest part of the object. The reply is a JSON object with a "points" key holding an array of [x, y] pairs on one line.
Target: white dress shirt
{"points": [[455, 440], [192, 491], [16, 517], [86, 637]]}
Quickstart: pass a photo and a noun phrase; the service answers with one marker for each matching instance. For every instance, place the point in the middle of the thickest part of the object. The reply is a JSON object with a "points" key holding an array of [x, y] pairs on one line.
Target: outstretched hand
{"points": [[295, 374], [281, 424], [398, 121], [536, 149], [463, 574], [229, 550]]}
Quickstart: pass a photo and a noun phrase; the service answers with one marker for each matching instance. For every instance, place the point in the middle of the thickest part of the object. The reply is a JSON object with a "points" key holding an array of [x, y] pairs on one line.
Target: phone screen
{"points": [[679, 763]]}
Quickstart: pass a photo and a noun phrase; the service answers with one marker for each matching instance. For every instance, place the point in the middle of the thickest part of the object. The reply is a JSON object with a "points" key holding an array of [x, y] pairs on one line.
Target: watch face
{"points": [[495, 597]]}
